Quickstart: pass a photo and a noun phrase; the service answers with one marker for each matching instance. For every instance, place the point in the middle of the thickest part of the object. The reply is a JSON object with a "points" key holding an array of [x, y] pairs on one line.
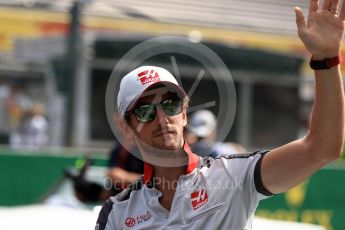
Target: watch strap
{"points": [[324, 64]]}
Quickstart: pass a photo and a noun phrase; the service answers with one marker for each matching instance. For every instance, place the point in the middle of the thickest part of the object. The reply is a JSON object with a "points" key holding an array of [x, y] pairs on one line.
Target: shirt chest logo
{"points": [[199, 198], [130, 222], [144, 217]]}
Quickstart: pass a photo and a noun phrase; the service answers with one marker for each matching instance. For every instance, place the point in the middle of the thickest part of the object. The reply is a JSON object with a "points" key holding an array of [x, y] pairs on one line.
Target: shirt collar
{"points": [[193, 161]]}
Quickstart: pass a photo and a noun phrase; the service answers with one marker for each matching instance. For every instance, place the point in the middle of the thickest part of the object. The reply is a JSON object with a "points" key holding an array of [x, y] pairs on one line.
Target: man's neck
{"points": [[166, 181], [166, 157], [170, 174]]}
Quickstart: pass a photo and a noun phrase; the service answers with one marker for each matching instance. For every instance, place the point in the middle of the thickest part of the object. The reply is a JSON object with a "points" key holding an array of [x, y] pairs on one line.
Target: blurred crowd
{"points": [[23, 120]]}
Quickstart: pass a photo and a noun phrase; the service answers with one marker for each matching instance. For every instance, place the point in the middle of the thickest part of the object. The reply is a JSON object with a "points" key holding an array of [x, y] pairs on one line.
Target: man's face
{"points": [[164, 132]]}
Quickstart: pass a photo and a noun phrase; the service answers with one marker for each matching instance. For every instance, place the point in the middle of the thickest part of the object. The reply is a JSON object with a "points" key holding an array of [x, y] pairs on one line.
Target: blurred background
{"points": [[56, 58]]}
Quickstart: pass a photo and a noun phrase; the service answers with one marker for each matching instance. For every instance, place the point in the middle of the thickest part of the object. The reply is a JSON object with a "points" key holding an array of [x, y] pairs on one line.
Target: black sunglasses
{"points": [[147, 112]]}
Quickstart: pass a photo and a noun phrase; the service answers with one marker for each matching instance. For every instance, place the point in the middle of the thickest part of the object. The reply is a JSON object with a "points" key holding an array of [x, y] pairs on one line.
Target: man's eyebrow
{"points": [[145, 100], [143, 103], [149, 98]]}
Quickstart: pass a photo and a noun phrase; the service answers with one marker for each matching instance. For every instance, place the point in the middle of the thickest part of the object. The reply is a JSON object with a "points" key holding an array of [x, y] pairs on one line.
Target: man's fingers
{"points": [[299, 19], [334, 4], [342, 11], [313, 6], [326, 5]]}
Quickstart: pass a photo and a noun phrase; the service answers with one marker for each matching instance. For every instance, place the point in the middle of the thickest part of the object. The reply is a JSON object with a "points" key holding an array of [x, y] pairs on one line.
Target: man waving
{"points": [[180, 190]]}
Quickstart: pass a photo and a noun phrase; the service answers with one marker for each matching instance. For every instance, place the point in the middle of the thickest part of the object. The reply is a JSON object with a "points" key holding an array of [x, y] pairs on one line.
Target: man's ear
{"points": [[125, 128], [184, 116], [127, 132], [122, 124]]}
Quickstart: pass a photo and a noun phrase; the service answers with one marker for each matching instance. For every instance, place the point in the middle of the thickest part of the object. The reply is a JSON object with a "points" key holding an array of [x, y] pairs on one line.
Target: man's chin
{"points": [[166, 144], [167, 147], [166, 156], [160, 147], [162, 150]]}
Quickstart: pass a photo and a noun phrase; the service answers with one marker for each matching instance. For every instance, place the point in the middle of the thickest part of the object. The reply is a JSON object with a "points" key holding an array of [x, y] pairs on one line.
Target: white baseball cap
{"points": [[135, 83], [202, 123]]}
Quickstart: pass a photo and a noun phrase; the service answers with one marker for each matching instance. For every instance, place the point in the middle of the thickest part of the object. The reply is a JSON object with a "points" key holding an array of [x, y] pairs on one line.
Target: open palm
{"points": [[323, 32]]}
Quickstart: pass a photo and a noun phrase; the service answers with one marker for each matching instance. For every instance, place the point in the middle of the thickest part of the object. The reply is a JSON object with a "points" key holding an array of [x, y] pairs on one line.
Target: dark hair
{"points": [[127, 117]]}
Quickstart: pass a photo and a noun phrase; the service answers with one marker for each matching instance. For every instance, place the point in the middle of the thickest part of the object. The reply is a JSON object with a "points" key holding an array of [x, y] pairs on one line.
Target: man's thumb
{"points": [[299, 19]]}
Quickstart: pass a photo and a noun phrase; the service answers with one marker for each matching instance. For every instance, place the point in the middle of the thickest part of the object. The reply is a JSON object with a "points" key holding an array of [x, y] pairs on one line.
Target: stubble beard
{"points": [[162, 155]]}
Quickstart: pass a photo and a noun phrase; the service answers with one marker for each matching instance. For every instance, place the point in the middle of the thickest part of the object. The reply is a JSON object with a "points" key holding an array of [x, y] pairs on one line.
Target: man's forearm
{"points": [[327, 124]]}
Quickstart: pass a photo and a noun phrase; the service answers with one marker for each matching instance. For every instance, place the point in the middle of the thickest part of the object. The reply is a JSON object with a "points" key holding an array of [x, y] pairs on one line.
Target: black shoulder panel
{"points": [[103, 215], [108, 205], [258, 179], [136, 185]]}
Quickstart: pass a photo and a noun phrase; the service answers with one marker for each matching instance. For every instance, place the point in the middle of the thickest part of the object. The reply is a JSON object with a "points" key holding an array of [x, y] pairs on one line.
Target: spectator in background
{"points": [[32, 130], [124, 167], [13, 101], [201, 134], [17, 102]]}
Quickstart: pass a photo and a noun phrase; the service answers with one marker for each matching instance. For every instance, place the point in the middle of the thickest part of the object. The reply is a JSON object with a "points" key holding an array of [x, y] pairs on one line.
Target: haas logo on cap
{"points": [[148, 76]]}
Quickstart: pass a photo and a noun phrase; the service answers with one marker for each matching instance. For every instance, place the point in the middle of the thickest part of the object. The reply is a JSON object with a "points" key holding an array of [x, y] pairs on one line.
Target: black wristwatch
{"points": [[324, 64]]}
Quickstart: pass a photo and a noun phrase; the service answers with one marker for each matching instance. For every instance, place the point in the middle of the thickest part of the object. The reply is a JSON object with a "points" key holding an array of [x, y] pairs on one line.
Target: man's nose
{"points": [[160, 114]]}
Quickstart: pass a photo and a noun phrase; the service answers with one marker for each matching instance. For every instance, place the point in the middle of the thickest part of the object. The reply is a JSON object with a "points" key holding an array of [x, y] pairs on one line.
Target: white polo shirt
{"points": [[220, 193]]}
